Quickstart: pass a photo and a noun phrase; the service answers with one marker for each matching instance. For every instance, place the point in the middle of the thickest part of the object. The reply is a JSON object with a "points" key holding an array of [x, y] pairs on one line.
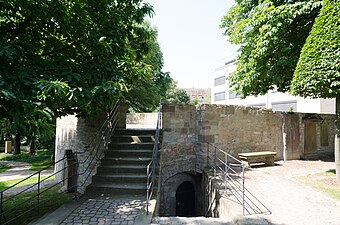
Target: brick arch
{"points": [[169, 188]]}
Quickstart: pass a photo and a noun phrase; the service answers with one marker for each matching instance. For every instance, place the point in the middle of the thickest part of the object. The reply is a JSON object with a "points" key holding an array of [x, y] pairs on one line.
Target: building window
{"points": [[220, 96], [219, 81], [284, 106], [259, 105]]}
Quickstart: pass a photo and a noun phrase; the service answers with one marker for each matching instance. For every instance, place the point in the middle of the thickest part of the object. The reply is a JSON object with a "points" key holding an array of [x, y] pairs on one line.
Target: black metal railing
{"points": [[152, 166], [230, 171], [100, 144], [37, 194], [33, 195]]}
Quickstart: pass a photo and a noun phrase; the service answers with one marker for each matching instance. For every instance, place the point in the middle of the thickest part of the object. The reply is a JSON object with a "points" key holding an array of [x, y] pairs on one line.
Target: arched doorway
{"points": [[185, 200]]}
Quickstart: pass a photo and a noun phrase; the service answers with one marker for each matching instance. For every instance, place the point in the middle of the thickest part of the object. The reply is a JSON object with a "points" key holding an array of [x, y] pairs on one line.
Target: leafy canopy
{"points": [[318, 71], [61, 57], [175, 95], [270, 34]]}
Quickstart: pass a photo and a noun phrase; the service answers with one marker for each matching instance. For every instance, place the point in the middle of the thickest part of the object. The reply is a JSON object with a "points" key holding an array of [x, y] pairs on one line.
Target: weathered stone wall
{"points": [[78, 135], [179, 154], [238, 129], [147, 120], [234, 129]]}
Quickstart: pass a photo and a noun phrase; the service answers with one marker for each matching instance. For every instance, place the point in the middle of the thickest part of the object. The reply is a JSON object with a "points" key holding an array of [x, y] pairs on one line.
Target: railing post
{"points": [[208, 145], [215, 161], [147, 190], [226, 172], [39, 193], [72, 175], [2, 213], [243, 190]]}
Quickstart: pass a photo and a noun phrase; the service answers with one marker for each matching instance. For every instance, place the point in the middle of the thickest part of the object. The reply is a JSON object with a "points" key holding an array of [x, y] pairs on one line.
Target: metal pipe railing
{"points": [[226, 164], [222, 163], [152, 166]]}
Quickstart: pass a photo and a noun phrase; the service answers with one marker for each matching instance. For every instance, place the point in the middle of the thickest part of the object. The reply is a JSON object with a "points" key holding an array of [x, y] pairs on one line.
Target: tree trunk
{"points": [[32, 145], [337, 140], [16, 144]]}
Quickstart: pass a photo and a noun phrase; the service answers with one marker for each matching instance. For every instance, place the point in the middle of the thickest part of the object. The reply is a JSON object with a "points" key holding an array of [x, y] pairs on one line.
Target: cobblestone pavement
{"points": [[107, 210]]}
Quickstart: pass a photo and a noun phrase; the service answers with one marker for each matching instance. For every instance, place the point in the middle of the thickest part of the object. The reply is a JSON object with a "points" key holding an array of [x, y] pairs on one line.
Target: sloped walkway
{"points": [[292, 202]]}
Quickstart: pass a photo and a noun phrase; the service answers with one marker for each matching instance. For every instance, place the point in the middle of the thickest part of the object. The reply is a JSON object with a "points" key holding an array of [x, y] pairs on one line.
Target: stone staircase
{"points": [[123, 169]]}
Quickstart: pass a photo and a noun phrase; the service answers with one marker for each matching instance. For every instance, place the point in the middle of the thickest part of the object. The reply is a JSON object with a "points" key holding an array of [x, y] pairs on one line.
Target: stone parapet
{"points": [[235, 129]]}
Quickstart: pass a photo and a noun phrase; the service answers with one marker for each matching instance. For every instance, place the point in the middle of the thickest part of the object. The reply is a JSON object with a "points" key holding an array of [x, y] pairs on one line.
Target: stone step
{"points": [[118, 189], [116, 169], [131, 145], [128, 153], [135, 131], [120, 178], [125, 160], [132, 138]]}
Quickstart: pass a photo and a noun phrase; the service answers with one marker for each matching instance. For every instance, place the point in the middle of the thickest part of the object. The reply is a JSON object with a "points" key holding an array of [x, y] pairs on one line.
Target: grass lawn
{"points": [[324, 182], [26, 205], [3, 168], [39, 160], [31, 180]]}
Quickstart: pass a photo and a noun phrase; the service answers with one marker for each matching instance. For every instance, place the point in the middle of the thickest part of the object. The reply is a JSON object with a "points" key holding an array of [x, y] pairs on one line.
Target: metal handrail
{"points": [[9, 214], [224, 164], [100, 144], [152, 166]]}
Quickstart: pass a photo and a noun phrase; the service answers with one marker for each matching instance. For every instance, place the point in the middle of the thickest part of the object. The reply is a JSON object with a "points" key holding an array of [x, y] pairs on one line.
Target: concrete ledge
{"points": [[144, 218], [57, 216]]}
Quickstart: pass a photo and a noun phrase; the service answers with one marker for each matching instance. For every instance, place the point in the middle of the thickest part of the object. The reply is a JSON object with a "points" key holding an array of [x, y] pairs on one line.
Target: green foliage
{"points": [[64, 57], [27, 202], [175, 95], [3, 168], [72, 57], [270, 34], [145, 94], [318, 70]]}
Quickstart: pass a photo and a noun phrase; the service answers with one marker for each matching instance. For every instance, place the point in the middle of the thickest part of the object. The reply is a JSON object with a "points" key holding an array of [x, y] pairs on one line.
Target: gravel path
{"points": [[291, 202]]}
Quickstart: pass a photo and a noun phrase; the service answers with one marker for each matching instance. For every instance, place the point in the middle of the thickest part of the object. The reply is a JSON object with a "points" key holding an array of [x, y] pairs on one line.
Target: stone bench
{"points": [[253, 157]]}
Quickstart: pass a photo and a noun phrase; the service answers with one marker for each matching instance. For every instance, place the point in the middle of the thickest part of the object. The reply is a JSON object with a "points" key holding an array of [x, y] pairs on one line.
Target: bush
{"points": [[318, 71]]}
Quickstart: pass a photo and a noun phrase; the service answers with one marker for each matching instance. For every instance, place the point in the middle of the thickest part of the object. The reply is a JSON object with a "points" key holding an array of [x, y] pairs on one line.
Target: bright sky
{"points": [[190, 38]]}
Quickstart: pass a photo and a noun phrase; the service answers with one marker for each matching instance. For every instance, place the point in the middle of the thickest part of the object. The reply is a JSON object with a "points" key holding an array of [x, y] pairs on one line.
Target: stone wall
{"points": [[78, 135], [178, 158], [238, 129], [235, 129], [141, 120]]}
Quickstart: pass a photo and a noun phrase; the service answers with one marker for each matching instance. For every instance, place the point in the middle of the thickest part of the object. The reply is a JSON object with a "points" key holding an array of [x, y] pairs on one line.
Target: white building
{"points": [[277, 101]]}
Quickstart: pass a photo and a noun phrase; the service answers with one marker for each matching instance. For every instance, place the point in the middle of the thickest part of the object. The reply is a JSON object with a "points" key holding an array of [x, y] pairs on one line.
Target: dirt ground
{"points": [[290, 201]]}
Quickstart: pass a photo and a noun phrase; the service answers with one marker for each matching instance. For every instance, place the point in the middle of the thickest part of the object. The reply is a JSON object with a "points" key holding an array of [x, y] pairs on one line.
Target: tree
{"points": [[270, 34], [145, 95], [176, 95], [318, 70], [70, 56]]}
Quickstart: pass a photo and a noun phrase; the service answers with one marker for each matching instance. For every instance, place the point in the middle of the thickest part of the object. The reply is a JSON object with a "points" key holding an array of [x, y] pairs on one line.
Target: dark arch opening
{"points": [[185, 200]]}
